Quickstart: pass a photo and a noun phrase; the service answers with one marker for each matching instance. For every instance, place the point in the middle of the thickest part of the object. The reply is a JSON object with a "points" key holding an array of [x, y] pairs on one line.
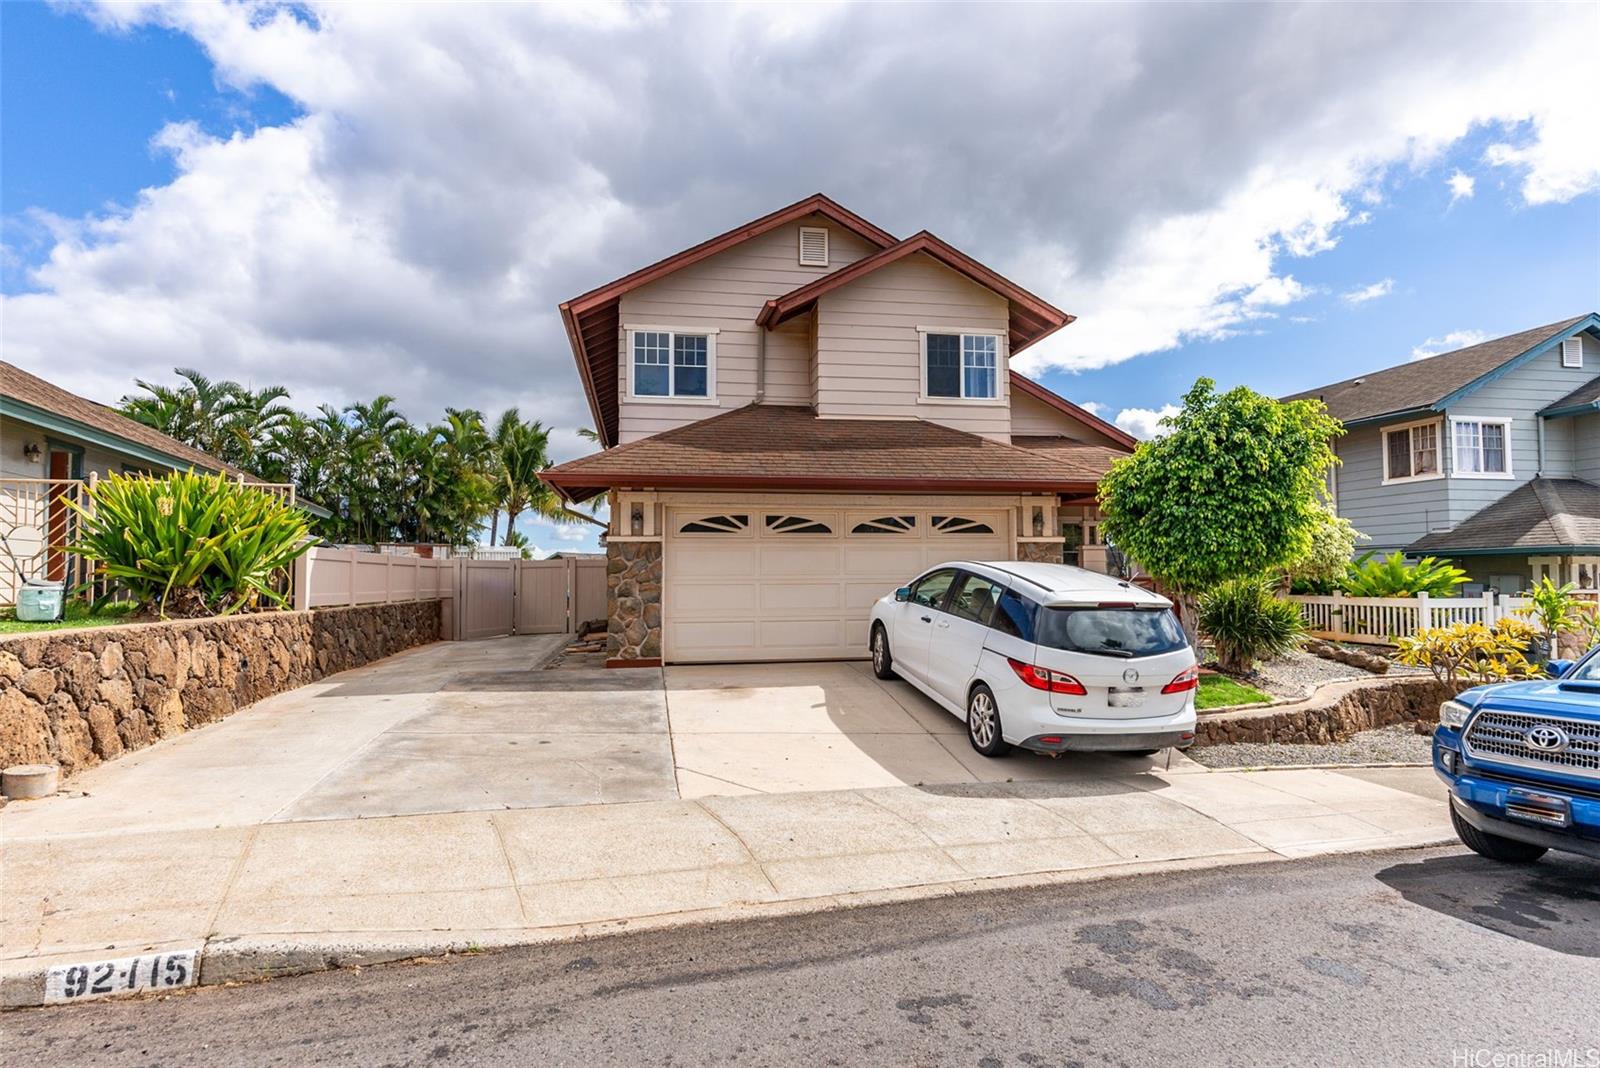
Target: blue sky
{"points": [[352, 199]]}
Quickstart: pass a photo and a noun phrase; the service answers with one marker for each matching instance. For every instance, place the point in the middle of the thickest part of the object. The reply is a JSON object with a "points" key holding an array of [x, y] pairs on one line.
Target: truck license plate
{"points": [[1535, 806]]}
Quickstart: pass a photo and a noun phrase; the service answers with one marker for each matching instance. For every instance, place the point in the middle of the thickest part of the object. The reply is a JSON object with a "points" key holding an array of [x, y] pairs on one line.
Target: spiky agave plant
{"points": [[189, 544]]}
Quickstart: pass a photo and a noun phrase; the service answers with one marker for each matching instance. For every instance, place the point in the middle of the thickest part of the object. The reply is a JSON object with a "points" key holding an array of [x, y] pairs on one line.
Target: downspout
{"points": [[1541, 446], [761, 363]]}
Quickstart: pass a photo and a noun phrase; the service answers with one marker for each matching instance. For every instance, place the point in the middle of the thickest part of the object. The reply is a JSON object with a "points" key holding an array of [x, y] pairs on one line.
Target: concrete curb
{"points": [[238, 959]]}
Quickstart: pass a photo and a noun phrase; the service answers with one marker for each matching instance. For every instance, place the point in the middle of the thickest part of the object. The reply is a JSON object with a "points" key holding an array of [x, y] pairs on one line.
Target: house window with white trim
{"points": [[1411, 452], [1482, 447], [669, 364], [962, 366]]}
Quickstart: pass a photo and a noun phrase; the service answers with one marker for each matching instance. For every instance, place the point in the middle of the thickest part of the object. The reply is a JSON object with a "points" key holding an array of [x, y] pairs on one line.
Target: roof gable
{"points": [[1031, 317], [1066, 407], [592, 319], [1436, 382]]}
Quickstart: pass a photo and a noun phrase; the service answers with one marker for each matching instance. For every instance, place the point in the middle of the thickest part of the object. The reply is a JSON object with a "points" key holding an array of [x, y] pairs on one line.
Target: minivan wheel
{"points": [[1493, 846], [882, 660], [983, 723]]}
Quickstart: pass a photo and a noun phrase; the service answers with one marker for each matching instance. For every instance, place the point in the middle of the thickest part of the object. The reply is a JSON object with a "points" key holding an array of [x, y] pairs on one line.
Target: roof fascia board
{"points": [[570, 321], [1385, 417], [1571, 409], [28, 413], [1055, 400], [579, 481], [1510, 550], [1588, 322]]}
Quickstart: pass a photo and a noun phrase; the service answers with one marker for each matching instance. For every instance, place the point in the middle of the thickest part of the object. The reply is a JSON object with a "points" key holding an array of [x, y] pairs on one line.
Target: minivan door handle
{"points": [[927, 619]]}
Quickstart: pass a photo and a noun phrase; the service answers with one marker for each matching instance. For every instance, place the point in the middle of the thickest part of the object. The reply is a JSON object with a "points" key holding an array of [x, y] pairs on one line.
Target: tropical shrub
{"points": [[1393, 577], [1333, 543], [1554, 609], [189, 544], [1471, 652], [1247, 622]]}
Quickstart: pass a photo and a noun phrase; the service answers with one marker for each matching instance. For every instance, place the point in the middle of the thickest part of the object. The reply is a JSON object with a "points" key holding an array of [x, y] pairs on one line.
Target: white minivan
{"points": [[1043, 656]]}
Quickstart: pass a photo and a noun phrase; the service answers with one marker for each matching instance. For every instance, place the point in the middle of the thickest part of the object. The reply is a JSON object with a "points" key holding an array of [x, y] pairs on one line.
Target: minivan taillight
{"points": [[1187, 679], [1045, 679]]}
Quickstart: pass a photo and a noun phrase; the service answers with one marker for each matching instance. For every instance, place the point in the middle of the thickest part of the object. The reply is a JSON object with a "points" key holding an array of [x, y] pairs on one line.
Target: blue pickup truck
{"points": [[1522, 761]]}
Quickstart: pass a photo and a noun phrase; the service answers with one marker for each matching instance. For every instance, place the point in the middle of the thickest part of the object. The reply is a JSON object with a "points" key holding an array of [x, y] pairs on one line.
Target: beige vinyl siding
{"points": [[869, 352], [1030, 416], [725, 293]]}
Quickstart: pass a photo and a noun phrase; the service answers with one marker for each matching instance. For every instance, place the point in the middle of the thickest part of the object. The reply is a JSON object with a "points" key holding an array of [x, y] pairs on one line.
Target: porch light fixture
{"points": [[31, 452], [636, 520]]}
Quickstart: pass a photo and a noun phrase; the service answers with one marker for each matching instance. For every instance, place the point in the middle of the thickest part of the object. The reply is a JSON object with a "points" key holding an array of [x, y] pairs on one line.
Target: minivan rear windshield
{"points": [[1122, 632]]}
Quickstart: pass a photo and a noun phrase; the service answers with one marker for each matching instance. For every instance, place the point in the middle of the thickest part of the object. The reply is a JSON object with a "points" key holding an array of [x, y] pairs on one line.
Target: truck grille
{"points": [[1502, 738]]}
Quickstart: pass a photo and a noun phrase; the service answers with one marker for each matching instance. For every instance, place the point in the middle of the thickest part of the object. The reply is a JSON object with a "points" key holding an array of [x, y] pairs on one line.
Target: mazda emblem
{"points": [[1130, 676], [1547, 739]]}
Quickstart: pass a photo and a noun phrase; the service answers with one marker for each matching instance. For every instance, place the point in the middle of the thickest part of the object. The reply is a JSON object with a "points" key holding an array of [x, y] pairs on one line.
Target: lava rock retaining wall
{"points": [[77, 697], [1335, 713]]}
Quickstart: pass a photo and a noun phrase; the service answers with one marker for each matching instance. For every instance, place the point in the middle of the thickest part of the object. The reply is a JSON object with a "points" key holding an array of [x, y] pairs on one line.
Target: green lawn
{"points": [[77, 615], [1218, 691]]}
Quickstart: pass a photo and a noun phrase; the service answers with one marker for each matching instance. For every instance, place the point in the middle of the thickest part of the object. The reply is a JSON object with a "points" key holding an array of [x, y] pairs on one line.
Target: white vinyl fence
{"points": [[1380, 620]]}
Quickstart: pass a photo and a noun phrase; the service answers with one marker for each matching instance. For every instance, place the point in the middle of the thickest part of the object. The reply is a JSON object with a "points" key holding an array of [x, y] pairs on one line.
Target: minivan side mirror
{"points": [[903, 593], [1558, 668]]}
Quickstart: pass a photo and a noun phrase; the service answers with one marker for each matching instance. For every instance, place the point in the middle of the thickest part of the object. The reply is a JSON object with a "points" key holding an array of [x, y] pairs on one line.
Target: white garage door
{"points": [[795, 582]]}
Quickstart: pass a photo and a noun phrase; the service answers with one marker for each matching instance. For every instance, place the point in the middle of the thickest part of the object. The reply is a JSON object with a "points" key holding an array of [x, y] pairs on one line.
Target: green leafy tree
{"points": [[1333, 543], [1235, 488]]}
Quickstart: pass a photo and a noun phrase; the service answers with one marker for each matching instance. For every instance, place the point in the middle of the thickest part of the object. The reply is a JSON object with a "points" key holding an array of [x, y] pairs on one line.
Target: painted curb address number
{"points": [[103, 978]]}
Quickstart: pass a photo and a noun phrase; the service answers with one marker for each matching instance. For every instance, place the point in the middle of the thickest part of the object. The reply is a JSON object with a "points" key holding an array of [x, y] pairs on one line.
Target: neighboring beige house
{"points": [[51, 443], [803, 413]]}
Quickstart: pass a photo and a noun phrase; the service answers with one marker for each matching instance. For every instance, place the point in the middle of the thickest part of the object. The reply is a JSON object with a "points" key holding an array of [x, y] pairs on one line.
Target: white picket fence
{"points": [[1380, 620]]}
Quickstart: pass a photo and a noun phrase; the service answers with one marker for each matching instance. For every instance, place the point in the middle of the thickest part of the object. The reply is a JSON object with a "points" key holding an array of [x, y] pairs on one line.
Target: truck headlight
{"points": [[1453, 714]]}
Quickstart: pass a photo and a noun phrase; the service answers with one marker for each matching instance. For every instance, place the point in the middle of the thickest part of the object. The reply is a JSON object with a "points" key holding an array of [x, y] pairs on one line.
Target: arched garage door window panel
{"points": [[796, 524], [716, 524], [888, 524], [955, 524]]}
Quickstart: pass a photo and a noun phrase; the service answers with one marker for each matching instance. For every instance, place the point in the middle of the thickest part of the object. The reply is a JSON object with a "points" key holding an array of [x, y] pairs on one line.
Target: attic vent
{"points": [[1571, 348], [813, 246]]}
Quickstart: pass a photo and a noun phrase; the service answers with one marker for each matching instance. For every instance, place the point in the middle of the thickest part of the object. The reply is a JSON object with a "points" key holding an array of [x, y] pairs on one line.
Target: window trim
{"points": [[1001, 363], [1438, 423], [672, 332], [1455, 467]]}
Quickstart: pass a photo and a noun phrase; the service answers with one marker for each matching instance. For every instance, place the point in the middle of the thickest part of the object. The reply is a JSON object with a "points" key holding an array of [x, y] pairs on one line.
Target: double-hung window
{"points": [[1411, 452], [667, 363], [961, 366], [1482, 447]]}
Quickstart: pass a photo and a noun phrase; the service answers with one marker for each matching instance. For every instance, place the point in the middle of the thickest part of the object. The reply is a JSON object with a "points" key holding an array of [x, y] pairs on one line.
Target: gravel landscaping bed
{"points": [[1399, 744], [1299, 673]]}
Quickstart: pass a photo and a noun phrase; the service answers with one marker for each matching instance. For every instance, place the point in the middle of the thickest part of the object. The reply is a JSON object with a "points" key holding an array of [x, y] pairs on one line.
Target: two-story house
{"points": [[801, 414], [1489, 455]]}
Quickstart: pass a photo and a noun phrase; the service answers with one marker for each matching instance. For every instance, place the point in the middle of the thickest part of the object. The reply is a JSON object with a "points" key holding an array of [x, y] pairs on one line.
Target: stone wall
{"points": [[1039, 552], [1335, 713], [77, 697], [633, 601]]}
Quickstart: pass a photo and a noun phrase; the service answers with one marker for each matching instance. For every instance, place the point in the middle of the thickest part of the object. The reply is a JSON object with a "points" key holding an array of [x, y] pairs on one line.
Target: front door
{"points": [[958, 636], [914, 625]]}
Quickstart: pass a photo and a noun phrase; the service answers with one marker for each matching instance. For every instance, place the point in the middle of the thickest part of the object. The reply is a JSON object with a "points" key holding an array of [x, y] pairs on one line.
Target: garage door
{"points": [[774, 584]]}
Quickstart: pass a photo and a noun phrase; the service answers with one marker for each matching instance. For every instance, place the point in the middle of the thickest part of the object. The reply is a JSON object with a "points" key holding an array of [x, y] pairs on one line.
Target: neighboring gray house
{"points": [[1489, 455]]}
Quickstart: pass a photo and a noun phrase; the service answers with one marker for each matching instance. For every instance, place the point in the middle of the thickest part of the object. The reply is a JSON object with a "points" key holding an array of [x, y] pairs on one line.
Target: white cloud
{"points": [[1362, 294], [1455, 339], [1145, 423], [1092, 407], [1461, 186], [454, 176]]}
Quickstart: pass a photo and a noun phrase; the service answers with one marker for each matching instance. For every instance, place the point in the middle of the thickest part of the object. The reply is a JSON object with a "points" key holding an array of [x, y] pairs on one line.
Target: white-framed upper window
{"points": [[1411, 452], [1572, 352], [813, 246], [665, 363], [1481, 448], [964, 366]]}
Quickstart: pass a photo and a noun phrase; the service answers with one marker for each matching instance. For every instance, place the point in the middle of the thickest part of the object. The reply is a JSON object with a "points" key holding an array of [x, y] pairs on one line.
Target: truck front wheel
{"points": [[1493, 846]]}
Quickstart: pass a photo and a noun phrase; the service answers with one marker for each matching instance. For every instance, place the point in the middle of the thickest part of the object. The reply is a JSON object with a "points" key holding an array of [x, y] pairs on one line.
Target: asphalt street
{"points": [[1430, 957]]}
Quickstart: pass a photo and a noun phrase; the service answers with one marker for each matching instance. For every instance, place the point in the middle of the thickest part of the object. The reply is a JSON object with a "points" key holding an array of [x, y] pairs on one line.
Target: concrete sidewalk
{"points": [[457, 796]]}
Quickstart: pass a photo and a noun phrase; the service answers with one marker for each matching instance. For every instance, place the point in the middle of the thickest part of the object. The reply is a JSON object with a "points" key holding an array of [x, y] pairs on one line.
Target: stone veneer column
{"points": [[633, 603], [1039, 552]]}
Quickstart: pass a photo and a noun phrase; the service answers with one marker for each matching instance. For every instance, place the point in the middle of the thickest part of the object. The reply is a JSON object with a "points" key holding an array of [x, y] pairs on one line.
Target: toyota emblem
{"points": [[1548, 739], [1130, 676]]}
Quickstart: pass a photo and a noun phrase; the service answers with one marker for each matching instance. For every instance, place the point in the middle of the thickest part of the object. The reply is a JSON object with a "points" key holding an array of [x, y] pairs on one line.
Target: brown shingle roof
{"points": [[1560, 514], [1423, 383], [781, 447], [1586, 394], [31, 389]]}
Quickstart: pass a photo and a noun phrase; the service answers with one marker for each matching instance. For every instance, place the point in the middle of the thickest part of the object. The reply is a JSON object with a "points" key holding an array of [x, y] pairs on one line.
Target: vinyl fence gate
{"points": [[500, 597]]}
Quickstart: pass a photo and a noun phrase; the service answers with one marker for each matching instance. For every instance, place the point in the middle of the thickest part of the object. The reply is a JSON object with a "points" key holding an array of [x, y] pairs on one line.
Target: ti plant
{"points": [[1554, 609], [189, 544]]}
